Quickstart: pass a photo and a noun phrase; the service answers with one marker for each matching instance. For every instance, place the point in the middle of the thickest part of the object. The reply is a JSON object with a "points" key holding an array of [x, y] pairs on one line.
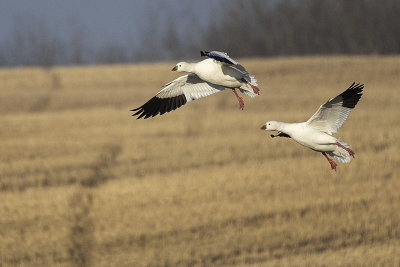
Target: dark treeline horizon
{"points": [[253, 28]]}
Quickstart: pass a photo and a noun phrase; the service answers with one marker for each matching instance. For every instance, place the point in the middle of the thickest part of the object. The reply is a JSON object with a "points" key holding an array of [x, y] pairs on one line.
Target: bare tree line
{"points": [[290, 27], [243, 28]]}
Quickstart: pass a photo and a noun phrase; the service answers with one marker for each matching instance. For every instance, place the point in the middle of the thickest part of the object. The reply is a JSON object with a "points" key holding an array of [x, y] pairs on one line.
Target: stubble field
{"points": [[83, 183]]}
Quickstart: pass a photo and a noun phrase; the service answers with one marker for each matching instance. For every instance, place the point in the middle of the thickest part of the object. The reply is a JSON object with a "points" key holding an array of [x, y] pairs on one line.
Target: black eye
{"points": [[179, 65]]}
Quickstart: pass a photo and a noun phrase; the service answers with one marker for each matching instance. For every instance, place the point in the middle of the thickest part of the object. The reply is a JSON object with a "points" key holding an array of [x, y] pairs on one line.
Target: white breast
{"points": [[211, 71]]}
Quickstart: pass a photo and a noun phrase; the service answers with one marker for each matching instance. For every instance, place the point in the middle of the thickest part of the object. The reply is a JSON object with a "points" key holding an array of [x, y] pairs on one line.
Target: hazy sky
{"points": [[103, 20]]}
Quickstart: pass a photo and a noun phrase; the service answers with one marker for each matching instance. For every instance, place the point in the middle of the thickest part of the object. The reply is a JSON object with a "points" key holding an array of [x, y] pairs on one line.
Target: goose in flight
{"points": [[207, 77], [316, 133]]}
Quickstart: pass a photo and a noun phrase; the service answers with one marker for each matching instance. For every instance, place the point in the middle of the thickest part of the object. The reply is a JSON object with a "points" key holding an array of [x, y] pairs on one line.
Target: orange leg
{"points": [[256, 90], [241, 103], [351, 152], [333, 164]]}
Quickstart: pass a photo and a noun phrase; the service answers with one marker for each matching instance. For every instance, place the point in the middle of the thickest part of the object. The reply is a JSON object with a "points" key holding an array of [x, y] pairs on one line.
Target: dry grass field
{"points": [[83, 183]]}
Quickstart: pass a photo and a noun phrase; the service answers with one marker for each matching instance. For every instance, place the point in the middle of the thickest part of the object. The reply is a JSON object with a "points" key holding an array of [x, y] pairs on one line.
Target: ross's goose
{"points": [[205, 78], [316, 133]]}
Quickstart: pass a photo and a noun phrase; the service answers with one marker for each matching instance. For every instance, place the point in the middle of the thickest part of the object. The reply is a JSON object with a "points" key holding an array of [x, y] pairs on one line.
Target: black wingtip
{"points": [[356, 86], [352, 95], [280, 134], [159, 106], [204, 53]]}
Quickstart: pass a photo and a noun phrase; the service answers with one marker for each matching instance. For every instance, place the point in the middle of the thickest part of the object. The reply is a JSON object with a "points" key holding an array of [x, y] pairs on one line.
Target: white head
{"points": [[271, 126], [183, 67]]}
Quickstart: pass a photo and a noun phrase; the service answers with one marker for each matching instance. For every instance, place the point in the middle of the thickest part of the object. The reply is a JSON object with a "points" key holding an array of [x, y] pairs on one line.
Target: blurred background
{"points": [[82, 183], [74, 32]]}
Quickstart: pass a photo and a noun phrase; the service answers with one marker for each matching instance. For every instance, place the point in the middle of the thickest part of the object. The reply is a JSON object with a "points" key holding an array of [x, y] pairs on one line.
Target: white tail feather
{"points": [[246, 89], [248, 93], [253, 80], [340, 154]]}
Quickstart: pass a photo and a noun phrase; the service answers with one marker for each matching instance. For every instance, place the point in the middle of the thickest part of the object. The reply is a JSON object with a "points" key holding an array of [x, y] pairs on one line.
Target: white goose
{"points": [[316, 133], [206, 77]]}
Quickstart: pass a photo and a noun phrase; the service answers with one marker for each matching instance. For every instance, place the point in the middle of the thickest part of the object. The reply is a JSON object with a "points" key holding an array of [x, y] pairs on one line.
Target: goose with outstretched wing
{"points": [[207, 77], [316, 133]]}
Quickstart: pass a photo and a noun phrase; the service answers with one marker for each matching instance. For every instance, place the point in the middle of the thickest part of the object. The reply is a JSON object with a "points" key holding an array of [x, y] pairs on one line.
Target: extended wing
{"points": [[175, 94], [331, 115]]}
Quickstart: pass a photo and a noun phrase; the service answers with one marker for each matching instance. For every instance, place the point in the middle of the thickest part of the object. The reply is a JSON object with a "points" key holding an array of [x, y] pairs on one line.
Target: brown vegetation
{"points": [[83, 183]]}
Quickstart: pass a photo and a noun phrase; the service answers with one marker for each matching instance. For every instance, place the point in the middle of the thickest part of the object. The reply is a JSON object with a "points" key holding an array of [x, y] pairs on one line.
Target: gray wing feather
{"points": [[224, 58]]}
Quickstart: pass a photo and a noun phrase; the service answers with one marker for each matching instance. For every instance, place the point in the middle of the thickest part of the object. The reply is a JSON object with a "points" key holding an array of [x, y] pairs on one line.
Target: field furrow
{"points": [[83, 183]]}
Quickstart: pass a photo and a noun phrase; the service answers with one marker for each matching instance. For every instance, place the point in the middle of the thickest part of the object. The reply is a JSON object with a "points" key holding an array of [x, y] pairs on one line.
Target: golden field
{"points": [[83, 183]]}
